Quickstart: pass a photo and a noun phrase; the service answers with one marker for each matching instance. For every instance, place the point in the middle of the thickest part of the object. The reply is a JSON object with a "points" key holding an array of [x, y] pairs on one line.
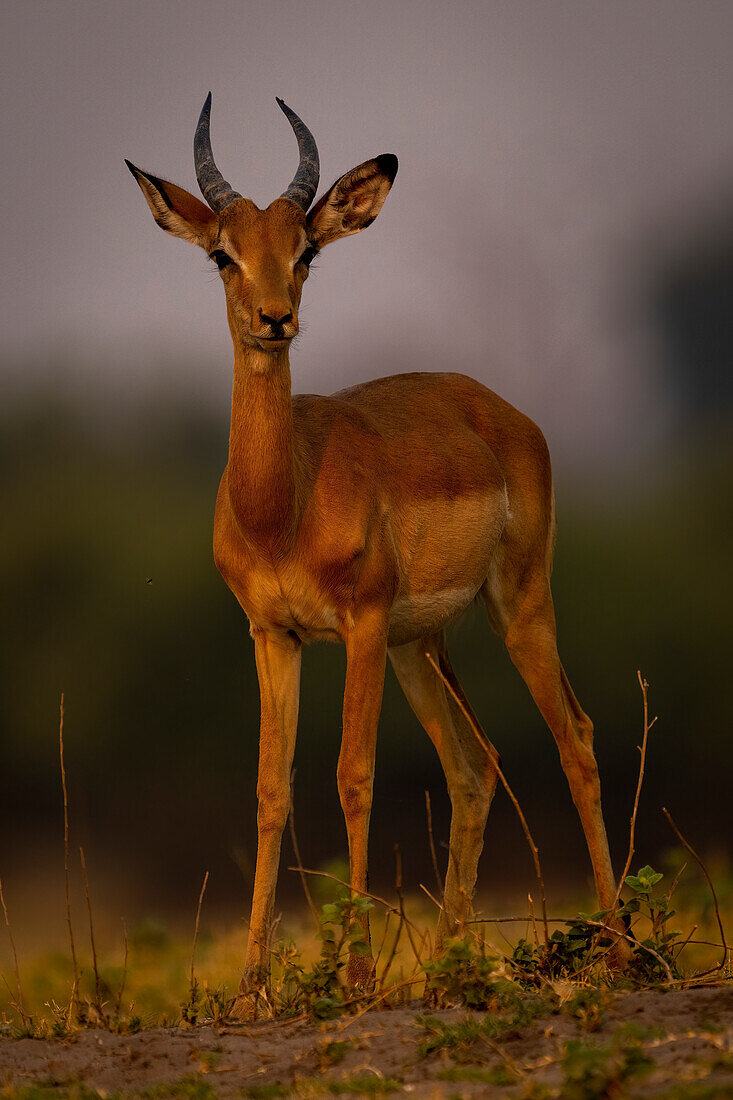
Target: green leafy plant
{"points": [[331, 1052], [466, 974], [321, 991], [661, 940], [586, 943], [565, 954], [459, 1039], [599, 1072]]}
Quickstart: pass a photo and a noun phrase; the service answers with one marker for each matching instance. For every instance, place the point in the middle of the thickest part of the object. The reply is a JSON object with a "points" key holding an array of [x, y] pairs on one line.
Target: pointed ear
{"points": [[353, 202], [175, 210]]}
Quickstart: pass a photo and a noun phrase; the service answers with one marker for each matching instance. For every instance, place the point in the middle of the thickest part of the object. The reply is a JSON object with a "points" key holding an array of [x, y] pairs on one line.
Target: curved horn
{"points": [[215, 189], [303, 189]]}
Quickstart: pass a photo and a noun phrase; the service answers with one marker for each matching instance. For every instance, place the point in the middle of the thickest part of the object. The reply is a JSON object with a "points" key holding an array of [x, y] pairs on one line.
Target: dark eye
{"points": [[308, 256], [221, 259]]}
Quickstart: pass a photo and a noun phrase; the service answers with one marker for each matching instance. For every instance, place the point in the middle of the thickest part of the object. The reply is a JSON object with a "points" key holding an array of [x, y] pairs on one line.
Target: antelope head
{"points": [[263, 256]]}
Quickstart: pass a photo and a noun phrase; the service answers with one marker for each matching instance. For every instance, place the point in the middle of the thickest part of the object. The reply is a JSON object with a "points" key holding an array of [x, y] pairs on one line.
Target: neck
{"points": [[261, 473]]}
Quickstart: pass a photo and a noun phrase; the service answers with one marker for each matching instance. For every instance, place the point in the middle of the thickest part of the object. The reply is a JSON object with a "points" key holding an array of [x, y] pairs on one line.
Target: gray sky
{"points": [[550, 155]]}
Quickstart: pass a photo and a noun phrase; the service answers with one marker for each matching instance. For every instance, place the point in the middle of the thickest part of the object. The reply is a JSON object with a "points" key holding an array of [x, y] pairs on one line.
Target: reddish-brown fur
{"points": [[374, 517]]}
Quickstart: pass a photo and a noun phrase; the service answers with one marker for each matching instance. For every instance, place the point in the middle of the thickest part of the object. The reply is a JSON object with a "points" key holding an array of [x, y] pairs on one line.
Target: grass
{"points": [[506, 974], [148, 980], [502, 1001]]}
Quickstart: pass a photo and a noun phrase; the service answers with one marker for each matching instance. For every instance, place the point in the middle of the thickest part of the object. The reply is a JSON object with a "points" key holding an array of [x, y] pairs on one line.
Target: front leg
{"points": [[278, 672], [366, 654]]}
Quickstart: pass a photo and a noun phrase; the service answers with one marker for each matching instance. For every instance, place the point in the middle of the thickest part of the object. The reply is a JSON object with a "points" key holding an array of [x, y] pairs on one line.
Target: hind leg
{"points": [[468, 763], [524, 616]]}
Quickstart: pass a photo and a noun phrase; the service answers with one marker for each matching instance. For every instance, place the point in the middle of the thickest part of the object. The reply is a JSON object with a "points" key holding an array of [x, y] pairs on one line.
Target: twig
{"points": [[195, 938], [495, 764], [432, 898], [579, 920], [401, 897], [689, 940], [97, 986], [431, 839], [507, 1058], [675, 882], [382, 942], [636, 943], [362, 893], [373, 1000], [124, 971], [390, 958], [642, 761], [296, 851], [21, 1009], [75, 988], [521, 920], [704, 870]]}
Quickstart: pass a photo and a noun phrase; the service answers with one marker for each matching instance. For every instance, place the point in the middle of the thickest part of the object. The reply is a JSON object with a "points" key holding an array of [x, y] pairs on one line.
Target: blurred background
{"points": [[566, 193]]}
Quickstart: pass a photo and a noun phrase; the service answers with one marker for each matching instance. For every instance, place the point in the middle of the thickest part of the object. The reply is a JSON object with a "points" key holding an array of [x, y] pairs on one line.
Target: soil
{"points": [[688, 1034]]}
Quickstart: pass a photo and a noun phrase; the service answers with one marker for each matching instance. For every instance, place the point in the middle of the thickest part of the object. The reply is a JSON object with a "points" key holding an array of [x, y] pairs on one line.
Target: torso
{"points": [[395, 503]]}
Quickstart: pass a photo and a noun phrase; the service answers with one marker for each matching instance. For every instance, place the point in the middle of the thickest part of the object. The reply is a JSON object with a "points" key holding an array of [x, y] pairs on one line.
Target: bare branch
{"points": [[97, 984], [495, 764], [704, 870], [24, 1017], [296, 852], [121, 990], [431, 839], [75, 965], [642, 761], [195, 938]]}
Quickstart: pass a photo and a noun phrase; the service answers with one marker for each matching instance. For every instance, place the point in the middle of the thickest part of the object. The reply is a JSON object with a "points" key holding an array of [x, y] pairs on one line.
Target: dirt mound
{"points": [[676, 1044]]}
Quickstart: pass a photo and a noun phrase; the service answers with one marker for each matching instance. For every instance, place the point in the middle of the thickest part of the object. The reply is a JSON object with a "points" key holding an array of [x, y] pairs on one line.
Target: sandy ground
{"points": [[691, 1045]]}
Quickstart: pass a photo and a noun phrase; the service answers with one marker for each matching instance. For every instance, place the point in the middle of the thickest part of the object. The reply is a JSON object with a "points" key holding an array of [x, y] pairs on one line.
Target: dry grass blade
{"points": [[431, 839], [296, 852], [19, 1004], [121, 990], [514, 1068], [97, 983], [75, 965], [401, 897], [689, 939], [393, 952], [704, 870], [382, 942], [432, 898], [507, 788], [196, 937]]}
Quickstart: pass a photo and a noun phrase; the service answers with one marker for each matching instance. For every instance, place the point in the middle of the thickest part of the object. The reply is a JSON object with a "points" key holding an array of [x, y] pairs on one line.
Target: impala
{"points": [[372, 517]]}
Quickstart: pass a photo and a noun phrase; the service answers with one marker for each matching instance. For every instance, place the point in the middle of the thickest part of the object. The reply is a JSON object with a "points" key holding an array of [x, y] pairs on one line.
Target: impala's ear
{"points": [[175, 210], [353, 202]]}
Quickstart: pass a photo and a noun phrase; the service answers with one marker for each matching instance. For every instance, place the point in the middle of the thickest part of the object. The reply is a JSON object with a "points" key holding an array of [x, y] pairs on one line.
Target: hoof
{"points": [[252, 994], [360, 973], [244, 1008], [619, 956]]}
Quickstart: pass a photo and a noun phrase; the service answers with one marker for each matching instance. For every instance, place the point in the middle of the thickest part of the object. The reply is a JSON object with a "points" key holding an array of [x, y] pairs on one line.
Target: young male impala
{"points": [[372, 517]]}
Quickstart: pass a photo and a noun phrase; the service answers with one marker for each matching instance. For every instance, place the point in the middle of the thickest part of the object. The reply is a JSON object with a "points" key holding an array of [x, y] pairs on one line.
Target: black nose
{"points": [[276, 322]]}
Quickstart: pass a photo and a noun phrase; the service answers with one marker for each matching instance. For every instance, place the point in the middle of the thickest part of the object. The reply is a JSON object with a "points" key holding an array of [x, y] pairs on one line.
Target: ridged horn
{"points": [[303, 188], [215, 189]]}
